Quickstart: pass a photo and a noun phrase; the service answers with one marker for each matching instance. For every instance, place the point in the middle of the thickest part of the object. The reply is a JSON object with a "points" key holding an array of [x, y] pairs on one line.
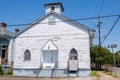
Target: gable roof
{"points": [[58, 15]]}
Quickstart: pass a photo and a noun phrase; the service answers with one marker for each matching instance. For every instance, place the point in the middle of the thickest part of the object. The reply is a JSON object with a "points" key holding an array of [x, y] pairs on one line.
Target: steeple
{"points": [[54, 7]]}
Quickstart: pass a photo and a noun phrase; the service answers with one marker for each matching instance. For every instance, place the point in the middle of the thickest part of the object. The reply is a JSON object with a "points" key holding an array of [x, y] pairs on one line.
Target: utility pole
{"points": [[99, 40], [99, 31]]}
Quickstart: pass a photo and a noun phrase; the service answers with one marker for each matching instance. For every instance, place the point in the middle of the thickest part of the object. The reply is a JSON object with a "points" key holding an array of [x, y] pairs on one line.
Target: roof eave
{"points": [[6, 32]]}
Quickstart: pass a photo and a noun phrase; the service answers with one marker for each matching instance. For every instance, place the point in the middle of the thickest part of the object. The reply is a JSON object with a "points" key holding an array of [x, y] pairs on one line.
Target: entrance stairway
{"points": [[46, 73], [73, 74], [6, 68], [46, 70]]}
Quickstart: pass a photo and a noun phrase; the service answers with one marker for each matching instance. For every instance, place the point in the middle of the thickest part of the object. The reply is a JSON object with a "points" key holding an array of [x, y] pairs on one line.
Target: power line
{"points": [[111, 28], [101, 7], [115, 7], [66, 20]]}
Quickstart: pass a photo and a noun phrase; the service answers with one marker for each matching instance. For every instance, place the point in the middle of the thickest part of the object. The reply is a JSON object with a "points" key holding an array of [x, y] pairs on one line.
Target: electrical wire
{"points": [[101, 7], [65, 20], [111, 29], [115, 7], [77, 20]]}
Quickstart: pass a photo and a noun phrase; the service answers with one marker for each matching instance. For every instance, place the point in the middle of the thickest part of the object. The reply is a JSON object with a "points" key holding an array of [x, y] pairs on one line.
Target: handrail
{"points": [[39, 69], [53, 70]]}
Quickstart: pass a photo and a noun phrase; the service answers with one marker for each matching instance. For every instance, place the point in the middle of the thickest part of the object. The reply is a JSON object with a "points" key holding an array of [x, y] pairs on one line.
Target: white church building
{"points": [[53, 46]]}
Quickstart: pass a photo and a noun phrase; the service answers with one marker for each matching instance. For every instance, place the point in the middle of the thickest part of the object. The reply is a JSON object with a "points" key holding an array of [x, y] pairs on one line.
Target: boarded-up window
{"points": [[27, 55], [73, 62]]}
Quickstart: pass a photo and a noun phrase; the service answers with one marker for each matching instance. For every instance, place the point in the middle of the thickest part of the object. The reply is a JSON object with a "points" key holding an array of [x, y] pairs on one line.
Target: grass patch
{"points": [[1, 71], [9, 72], [110, 73], [95, 74]]}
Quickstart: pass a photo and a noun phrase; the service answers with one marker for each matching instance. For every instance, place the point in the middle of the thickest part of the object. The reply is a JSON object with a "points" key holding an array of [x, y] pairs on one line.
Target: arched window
{"points": [[27, 55], [73, 54]]}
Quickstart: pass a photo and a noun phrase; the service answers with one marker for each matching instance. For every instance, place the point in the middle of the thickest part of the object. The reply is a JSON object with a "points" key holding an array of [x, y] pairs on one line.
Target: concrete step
{"points": [[5, 68], [73, 74]]}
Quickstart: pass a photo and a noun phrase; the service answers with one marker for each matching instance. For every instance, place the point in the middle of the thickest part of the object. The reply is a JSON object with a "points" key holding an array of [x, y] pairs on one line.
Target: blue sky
{"points": [[26, 11]]}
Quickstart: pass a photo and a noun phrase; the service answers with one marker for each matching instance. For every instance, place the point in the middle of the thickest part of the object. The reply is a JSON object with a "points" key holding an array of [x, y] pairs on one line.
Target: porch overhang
{"points": [[6, 33]]}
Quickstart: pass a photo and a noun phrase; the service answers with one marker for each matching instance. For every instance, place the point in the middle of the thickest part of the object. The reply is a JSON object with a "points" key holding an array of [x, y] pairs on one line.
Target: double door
{"points": [[50, 56]]}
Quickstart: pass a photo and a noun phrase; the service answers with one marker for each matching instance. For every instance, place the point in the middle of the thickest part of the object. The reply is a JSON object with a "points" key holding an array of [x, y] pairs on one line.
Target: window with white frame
{"points": [[27, 55]]}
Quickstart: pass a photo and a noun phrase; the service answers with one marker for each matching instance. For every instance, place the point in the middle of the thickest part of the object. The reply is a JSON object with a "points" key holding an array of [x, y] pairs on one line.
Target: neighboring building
{"points": [[6, 43], [53, 46]]}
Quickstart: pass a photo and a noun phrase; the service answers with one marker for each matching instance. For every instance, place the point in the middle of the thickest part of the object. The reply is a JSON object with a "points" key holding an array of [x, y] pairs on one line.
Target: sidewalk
{"points": [[103, 77], [28, 78]]}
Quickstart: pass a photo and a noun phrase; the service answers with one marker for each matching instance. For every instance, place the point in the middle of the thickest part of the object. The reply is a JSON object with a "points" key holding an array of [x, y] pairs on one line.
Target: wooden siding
{"points": [[64, 35], [10, 50]]}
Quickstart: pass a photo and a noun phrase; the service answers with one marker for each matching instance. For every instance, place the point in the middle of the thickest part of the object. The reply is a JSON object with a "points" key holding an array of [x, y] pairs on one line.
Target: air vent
{"points": [[51, 21]]}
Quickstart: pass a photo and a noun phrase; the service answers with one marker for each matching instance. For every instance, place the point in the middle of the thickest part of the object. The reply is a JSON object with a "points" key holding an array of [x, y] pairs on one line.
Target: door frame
{"points": [[53, 57]]}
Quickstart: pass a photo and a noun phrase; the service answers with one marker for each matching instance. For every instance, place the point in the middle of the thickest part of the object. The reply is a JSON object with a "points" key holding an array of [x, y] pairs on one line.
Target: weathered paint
{"points": [[61, 37], [4, 41], [64, 35], [6, 38], [58, 8], [10, 51], [48, 73]]}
